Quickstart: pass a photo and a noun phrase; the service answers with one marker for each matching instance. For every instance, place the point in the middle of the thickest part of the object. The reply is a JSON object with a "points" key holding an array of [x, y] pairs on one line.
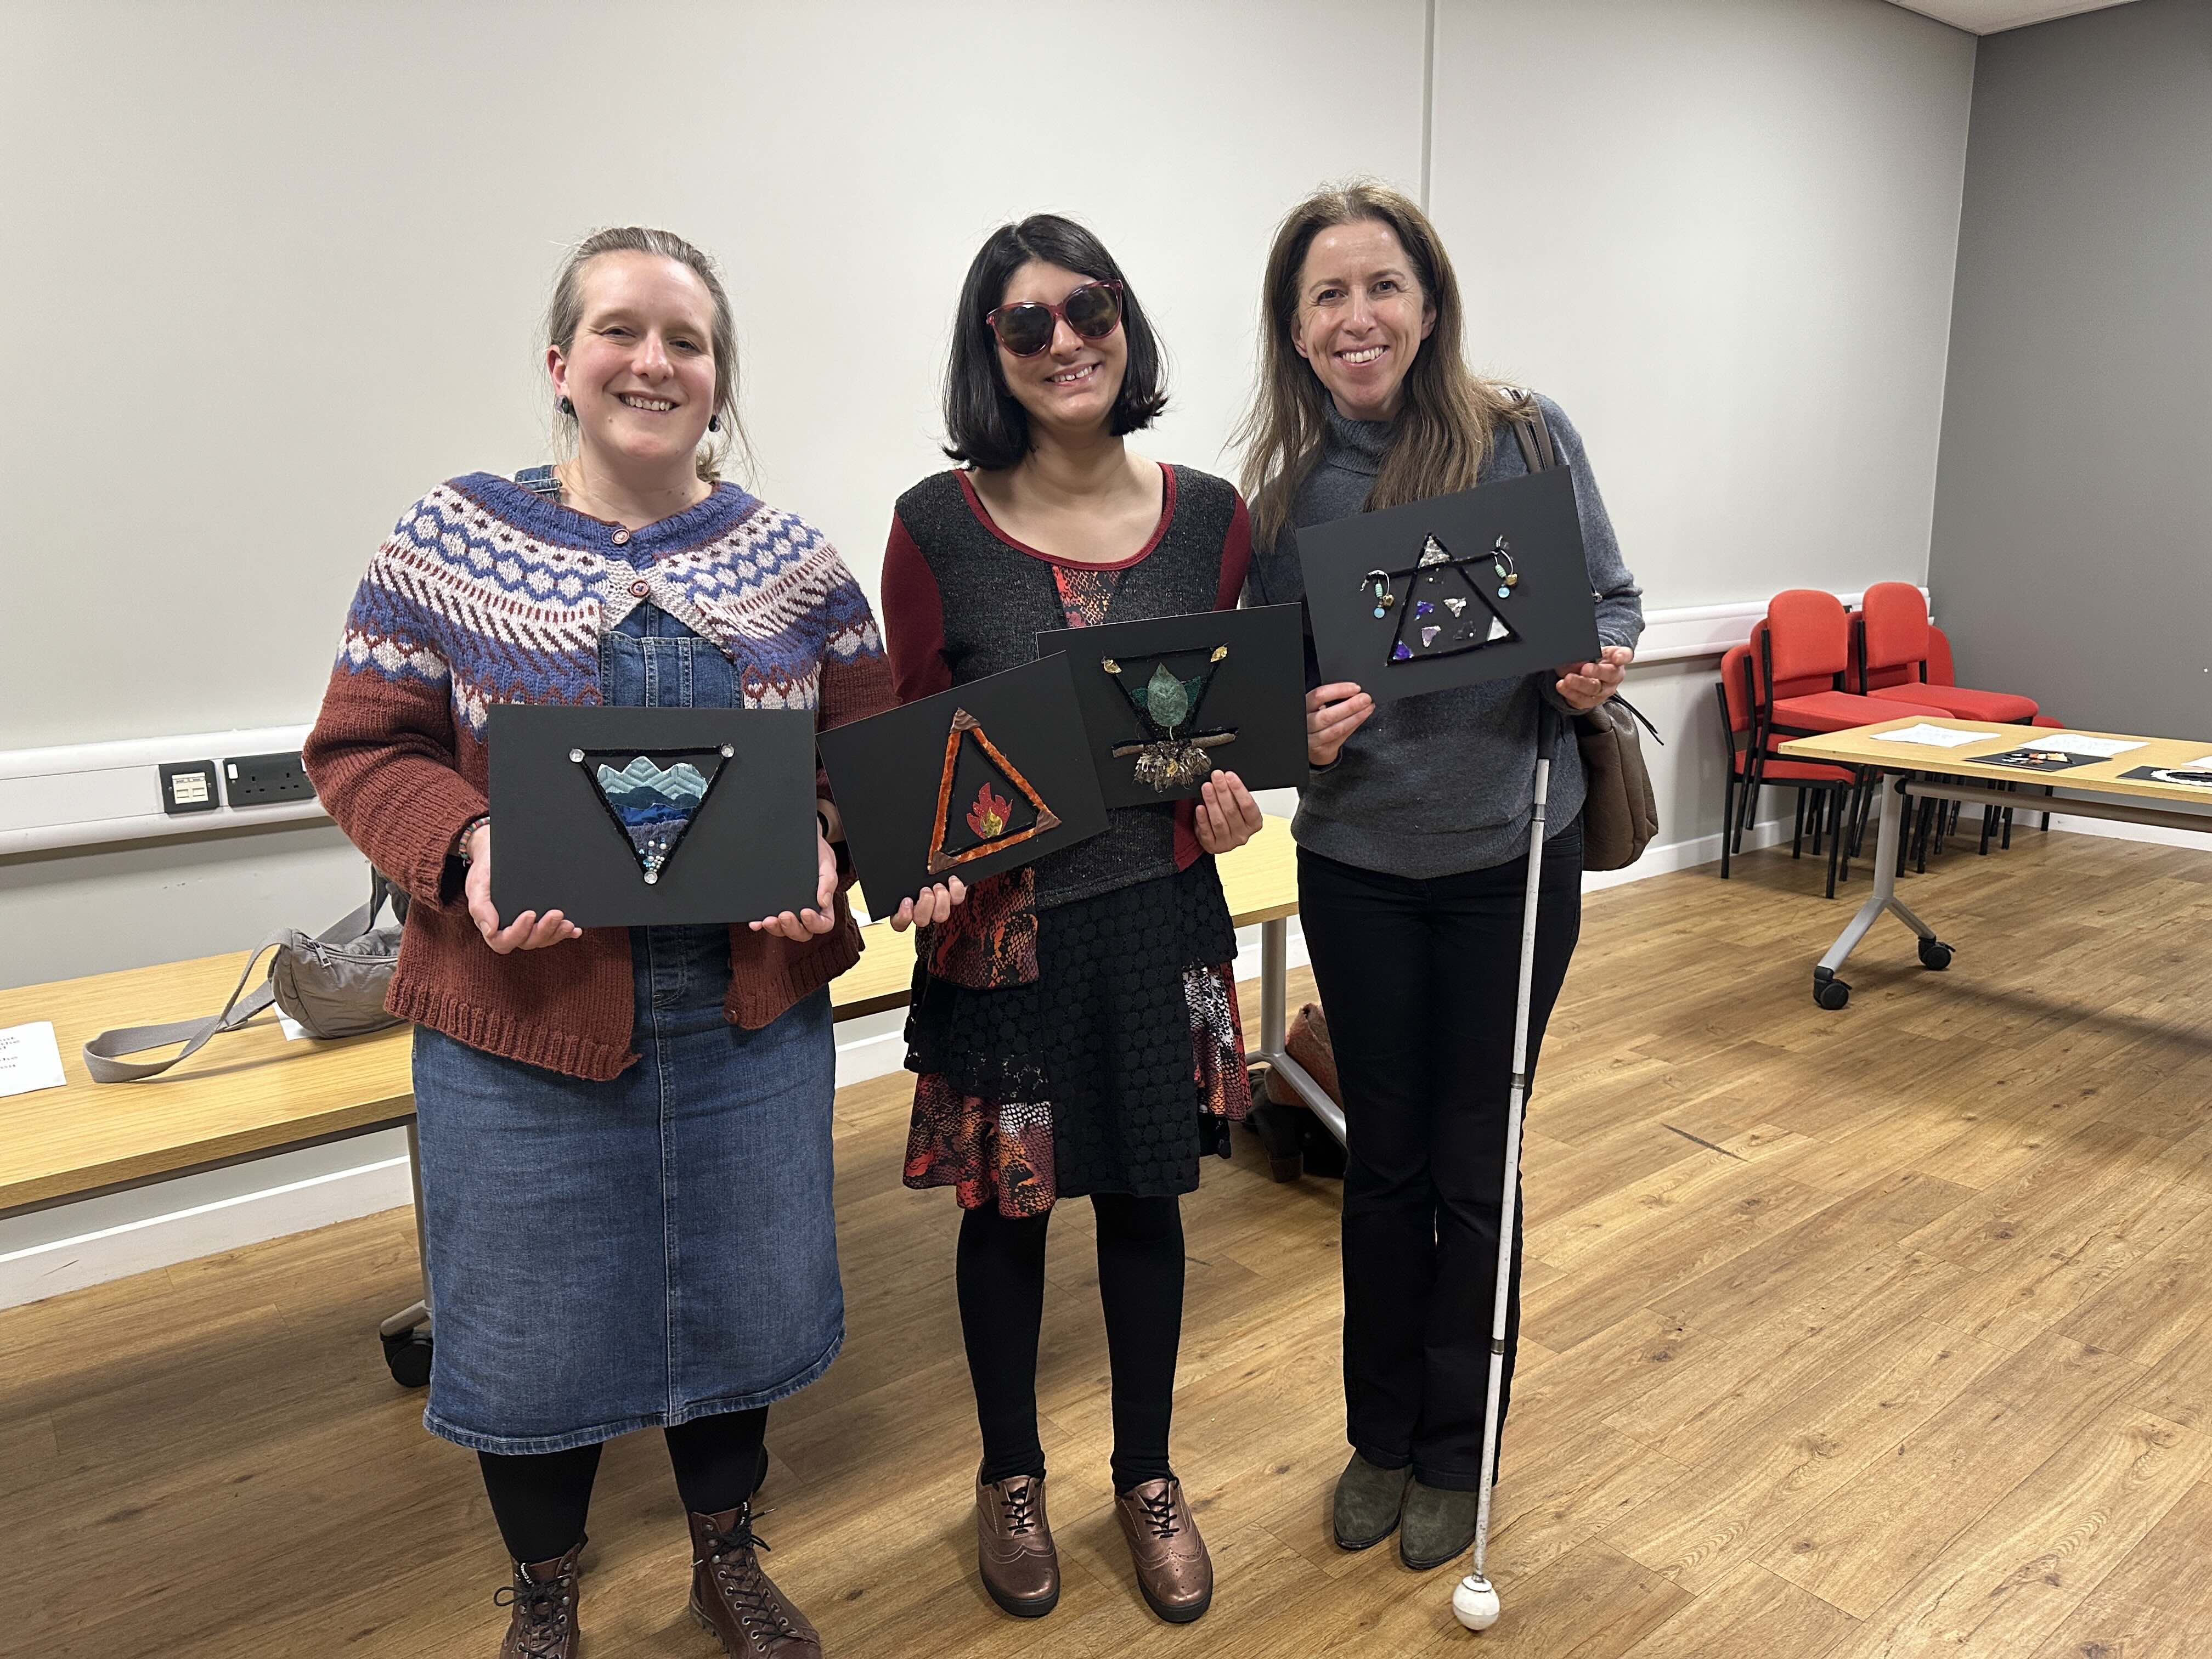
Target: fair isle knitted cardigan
{"points": [[484, 593]]}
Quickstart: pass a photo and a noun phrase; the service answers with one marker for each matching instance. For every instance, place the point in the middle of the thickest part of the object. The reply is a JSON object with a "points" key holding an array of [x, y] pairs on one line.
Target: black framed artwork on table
{"points": [[642, 817], [1169, 701], [1488, 584], [970, 782]]}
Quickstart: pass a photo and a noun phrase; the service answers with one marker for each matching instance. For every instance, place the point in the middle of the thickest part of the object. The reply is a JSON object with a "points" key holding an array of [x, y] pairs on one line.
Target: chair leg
{"points": [[1728, 821], [1834, 801], [2007, 842], [1797, 835]]}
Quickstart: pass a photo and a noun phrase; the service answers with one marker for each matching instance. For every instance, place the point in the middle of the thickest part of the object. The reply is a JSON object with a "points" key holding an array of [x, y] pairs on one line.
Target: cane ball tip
{"points": [[1474, 1603]]}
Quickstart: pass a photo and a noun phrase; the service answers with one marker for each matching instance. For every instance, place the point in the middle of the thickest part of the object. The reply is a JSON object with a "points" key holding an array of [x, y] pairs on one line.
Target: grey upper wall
{"points": [[2073, 491]]}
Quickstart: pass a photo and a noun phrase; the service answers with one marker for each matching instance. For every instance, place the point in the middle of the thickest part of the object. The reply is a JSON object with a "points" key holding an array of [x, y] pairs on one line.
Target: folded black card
{"points": [[1169, 701], [989, 776], [628, 816], [1488, 583]]}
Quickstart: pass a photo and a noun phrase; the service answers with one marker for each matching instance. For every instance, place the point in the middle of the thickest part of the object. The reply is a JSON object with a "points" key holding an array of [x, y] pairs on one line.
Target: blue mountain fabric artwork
{"points": [[653, 801]]}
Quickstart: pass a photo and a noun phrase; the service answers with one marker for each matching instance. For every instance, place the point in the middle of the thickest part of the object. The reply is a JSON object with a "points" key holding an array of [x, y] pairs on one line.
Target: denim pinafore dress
{"points": [[618, 1255]]}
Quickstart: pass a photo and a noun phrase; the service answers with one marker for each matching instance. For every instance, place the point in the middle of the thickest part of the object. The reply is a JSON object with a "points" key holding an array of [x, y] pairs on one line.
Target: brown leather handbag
{"points": [[1620, 814]]}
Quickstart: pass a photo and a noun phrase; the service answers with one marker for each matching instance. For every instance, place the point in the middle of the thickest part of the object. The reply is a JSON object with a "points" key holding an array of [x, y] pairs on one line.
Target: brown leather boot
{"points": [[733, 1598], [1013, 1546], [544, 1598], [1174, 1571]]}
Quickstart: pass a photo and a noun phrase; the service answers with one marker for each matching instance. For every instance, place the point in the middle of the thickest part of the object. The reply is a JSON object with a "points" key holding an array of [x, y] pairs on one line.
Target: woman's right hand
{"points": [[1334, 712], [527, 932]]}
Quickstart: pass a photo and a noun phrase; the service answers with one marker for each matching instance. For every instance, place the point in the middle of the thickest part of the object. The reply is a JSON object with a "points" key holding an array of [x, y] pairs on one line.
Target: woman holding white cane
{"points": [[1415, 848]]}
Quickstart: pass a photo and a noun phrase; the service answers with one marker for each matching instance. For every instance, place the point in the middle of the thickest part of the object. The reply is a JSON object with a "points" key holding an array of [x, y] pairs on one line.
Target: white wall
{"points": [[287, 263]]}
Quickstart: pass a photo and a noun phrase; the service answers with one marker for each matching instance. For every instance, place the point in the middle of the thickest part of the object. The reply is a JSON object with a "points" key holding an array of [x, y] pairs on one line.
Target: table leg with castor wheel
{"points": [[406, 1334], [1832, 993]]}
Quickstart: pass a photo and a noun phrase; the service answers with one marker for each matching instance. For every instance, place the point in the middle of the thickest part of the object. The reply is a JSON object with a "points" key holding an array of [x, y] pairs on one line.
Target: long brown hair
{"points": [[1443, 429], [566, 314]]}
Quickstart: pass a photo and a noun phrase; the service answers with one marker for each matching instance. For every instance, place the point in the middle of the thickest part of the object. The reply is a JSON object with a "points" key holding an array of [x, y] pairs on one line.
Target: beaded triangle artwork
{"points": [[653, 798], [1172, 755], [984, 804], [1442, 606]]}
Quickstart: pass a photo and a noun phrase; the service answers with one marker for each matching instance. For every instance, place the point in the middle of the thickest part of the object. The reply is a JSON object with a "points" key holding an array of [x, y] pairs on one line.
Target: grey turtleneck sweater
{"points": [[1443, 782]]}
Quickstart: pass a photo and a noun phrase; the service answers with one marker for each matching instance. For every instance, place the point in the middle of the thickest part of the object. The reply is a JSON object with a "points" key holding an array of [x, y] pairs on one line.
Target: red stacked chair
{"points": [[1903, 656], [1896, 648], [1803, 653], [1825, 786]]}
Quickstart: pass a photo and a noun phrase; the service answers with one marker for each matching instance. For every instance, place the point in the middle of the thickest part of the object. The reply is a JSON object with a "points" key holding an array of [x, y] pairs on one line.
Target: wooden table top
{"points": [[1862, 746], [252, 1091]]}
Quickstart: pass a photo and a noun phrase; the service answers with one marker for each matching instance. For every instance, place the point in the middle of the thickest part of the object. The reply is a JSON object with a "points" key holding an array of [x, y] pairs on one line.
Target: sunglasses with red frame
{"points": [[1025, 328]]}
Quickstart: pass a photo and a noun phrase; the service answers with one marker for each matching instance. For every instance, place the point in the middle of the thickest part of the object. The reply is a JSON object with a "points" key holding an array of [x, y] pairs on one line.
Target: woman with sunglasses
{"points": [[1071, 1024], [1413, 839]]}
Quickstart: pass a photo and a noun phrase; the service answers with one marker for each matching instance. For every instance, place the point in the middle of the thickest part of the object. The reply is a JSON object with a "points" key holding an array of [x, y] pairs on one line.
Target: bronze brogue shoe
{"points": [[542, 1624], [1013, 1546], [1174, 1571], [737, 1601]]}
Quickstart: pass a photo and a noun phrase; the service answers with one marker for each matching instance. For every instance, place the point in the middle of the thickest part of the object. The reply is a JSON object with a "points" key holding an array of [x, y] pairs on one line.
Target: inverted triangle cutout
{"points": [[984, 804], [654, 797], [1443, 609]]}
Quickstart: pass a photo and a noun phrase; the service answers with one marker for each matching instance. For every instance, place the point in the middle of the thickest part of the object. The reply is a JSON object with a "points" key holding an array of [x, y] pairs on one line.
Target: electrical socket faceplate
{"points": [[189, 786], [264, 780]]}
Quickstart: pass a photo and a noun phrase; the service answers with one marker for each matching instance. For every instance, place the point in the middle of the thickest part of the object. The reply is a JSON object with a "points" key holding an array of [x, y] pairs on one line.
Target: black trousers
{"points": [[1417, 979], [540, 1499], [1000, 1275]]}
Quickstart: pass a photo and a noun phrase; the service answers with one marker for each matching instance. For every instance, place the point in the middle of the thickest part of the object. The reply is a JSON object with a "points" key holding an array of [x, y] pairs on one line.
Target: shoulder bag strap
{"points": [[103, 1054]]}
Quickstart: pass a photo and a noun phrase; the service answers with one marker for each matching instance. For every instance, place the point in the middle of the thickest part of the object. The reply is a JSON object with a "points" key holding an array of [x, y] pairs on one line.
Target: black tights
{"points": [[539, 1500], [1001, 1282]]}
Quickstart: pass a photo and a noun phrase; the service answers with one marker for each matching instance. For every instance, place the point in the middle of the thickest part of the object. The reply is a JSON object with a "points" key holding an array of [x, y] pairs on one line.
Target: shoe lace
{"points": [[1159, 1512], [1021, 1507], [545, 1609], [737, 1569]]}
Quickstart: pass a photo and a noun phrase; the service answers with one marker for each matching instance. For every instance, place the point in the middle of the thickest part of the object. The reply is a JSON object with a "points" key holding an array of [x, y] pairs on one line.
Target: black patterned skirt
{"points": [[1095, 1076]]}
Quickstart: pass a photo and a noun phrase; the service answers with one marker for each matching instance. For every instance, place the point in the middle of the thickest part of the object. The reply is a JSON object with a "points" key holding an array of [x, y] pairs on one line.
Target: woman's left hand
{"points": [[1228, 817], [932, 904], [809, 924], [1586, 684]]}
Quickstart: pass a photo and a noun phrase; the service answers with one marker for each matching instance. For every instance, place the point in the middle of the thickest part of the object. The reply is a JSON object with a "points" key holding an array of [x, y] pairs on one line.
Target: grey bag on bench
{"points": [[334, 985]]}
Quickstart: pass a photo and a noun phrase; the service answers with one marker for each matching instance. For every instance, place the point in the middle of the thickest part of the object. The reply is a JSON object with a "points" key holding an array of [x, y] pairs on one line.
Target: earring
{"points": [[566, 407], [714, 423], [1384, 598], [1501, 560]]}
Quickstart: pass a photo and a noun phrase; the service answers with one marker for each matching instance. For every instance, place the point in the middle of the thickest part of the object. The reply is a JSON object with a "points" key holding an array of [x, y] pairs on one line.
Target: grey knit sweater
{"points": [[1442, 782]]}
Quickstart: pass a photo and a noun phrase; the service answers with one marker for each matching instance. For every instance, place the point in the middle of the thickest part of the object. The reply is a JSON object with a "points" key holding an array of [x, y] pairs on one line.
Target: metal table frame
{"points": [[1831, 991]]}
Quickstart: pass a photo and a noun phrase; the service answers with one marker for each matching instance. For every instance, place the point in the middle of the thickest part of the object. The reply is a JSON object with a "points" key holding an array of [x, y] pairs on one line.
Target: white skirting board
{"points": [[220, 1210]]}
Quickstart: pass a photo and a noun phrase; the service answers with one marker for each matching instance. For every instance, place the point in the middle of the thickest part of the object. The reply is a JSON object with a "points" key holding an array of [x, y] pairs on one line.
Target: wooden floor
{"points": [[1886, 1332]]}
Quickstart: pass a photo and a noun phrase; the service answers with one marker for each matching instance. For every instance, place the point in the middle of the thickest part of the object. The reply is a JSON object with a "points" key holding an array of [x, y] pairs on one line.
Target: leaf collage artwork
{"points": [[1167, 705], [984, 804], [653, 799]]}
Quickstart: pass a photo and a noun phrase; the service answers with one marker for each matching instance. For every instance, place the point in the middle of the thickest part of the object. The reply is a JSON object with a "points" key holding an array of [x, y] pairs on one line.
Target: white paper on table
{"points": [[2202, 763], [1939, 736], [2074, 743], [29, 1059], [293, 1032]]}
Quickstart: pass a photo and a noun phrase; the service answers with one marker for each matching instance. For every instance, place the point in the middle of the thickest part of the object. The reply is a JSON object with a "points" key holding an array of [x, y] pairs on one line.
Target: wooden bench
{"points": [[251, 1093]]}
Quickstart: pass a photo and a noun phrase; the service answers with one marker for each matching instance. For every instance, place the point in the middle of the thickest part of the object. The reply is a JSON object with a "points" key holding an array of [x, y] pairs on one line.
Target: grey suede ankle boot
{"points": [[1439, 1526], [1368, 1500]]}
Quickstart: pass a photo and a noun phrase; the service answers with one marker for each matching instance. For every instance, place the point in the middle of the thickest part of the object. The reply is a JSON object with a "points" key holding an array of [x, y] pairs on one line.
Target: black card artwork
{"points": [[630, 817], [2188, 777], [986, 777], [1167, 700], [1488, 584], [2039, 760]]}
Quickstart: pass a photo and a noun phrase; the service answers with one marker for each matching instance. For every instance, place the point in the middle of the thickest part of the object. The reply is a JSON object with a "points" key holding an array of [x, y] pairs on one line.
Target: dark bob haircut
{"points": [[985, 425]]}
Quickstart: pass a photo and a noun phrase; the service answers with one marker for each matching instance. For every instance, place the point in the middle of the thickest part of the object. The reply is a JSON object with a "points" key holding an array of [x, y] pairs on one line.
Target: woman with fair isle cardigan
{"points": [[1413, 833], [625, 1131], [1074, 1020]]}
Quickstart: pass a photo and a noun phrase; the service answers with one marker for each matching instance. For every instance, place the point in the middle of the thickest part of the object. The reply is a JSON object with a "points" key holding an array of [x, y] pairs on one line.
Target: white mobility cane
{"points": [[1474, 1602]]}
